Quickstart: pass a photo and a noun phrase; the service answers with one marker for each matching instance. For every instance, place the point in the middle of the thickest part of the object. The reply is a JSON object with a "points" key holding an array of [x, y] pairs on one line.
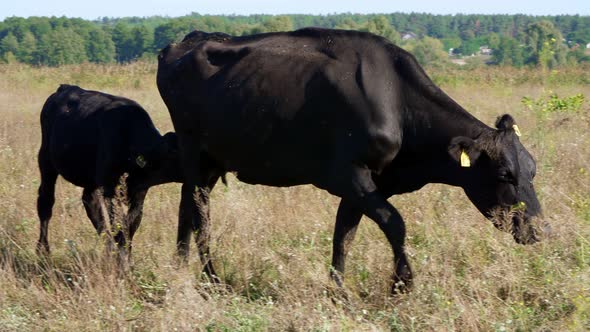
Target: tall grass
{"points": [[272, 246]]}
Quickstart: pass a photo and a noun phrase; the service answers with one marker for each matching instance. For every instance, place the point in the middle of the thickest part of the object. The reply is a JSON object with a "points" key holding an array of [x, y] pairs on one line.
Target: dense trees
{"points": [[428, 50], [509, 52], [544, 45], [380, 25], [100, 47], [517, 40]]}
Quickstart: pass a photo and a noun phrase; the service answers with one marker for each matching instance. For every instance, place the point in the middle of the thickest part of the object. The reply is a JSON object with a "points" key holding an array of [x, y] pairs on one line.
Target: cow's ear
{"points": [[506, 122], [464, 150]]}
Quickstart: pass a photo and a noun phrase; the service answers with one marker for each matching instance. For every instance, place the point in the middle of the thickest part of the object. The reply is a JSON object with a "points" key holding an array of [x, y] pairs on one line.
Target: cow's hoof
{"points": [[402, 281], [401, 287], [42, 250], [337, 278]]}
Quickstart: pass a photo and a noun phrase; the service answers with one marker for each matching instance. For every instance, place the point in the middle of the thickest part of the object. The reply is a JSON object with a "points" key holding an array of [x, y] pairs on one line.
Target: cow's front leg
{"points": [[363, 193], [186, 211]]}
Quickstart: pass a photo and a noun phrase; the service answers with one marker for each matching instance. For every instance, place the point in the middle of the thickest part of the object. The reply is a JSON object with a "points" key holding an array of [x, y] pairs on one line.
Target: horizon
{"points": [[178, 8], [283, 14]]}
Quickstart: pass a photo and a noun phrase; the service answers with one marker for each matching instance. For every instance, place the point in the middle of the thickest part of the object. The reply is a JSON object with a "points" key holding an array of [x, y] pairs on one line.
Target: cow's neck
{"points": [[430, 124]]}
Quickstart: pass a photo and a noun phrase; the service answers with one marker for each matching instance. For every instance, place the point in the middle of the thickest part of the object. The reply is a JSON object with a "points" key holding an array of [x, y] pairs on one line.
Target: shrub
{"points": [[552, 103]]}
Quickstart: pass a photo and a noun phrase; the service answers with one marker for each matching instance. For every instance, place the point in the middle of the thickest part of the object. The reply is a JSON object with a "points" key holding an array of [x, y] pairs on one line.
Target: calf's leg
{"points": [[97, 213], [45, 202], [92, 201], [134, 214], [117, 221]]}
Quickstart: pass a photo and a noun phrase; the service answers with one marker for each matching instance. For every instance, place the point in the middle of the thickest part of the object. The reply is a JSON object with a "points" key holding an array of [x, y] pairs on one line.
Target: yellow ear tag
{"points": [[140, 161], [520, 206], [465, 162], [516, 130]]}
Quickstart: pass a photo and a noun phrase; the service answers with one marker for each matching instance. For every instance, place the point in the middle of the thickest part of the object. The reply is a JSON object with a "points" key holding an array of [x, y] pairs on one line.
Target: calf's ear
{"points": [[171, 143], [464, 150]]}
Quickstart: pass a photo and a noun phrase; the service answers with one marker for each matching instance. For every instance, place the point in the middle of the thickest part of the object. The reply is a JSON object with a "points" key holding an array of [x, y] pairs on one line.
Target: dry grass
{"points": [[273, 246]]}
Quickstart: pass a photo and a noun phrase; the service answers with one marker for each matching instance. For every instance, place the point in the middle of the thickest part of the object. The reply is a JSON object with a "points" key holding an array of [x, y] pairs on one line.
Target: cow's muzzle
{"points": [[529, 230]]}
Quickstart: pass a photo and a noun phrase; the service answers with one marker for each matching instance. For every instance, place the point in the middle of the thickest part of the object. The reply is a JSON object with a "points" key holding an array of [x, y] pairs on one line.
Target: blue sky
{"points": [[121, 8]]}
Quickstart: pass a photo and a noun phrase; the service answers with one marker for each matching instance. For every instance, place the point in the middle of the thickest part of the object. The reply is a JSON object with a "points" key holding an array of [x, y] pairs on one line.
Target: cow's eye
{"points": [[506, 176]]}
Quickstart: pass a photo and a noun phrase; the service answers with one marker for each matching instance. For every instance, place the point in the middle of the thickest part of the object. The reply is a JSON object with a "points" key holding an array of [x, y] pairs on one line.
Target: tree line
{"points": [[516, 40]]}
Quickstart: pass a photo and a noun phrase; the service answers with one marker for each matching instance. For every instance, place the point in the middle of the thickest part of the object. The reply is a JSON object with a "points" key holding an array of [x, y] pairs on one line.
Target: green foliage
{"points": [[100, 47], [348, 24], [27, 47], [552, 103], [380, 25], [544, 45], [123, 42], [515, 39], [9, 44], [275, 24], [171, 32], [428, 51], [61, 46], [581, 35], [578, 55], [471, 46], [493, 40], [509, 52], [448, 43]]}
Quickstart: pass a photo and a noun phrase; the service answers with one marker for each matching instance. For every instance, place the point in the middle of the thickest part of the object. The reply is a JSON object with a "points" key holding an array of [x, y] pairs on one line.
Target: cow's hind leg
{"points": [[364, 193], [347, 220], [45, 200]]}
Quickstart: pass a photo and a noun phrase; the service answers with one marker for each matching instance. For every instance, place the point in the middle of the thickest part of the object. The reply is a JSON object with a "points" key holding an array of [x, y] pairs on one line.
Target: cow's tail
{"points": [[48, 113]]}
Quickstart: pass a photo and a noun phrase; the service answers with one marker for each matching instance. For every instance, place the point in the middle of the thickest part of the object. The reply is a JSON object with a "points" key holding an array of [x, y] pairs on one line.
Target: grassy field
{"points": [[273, 246]]}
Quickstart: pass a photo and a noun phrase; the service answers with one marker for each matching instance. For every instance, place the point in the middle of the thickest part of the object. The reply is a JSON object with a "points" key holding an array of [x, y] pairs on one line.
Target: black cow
{"points": [[346, 111], [91, 139]]}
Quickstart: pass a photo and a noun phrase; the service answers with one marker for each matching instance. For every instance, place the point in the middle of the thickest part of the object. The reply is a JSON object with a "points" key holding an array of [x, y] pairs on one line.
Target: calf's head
{"points": [[497, 175], [158, 163]]}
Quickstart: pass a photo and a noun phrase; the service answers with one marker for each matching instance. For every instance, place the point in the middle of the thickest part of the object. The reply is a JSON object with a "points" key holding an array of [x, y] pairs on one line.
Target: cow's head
{"points": [[497, 175]]}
